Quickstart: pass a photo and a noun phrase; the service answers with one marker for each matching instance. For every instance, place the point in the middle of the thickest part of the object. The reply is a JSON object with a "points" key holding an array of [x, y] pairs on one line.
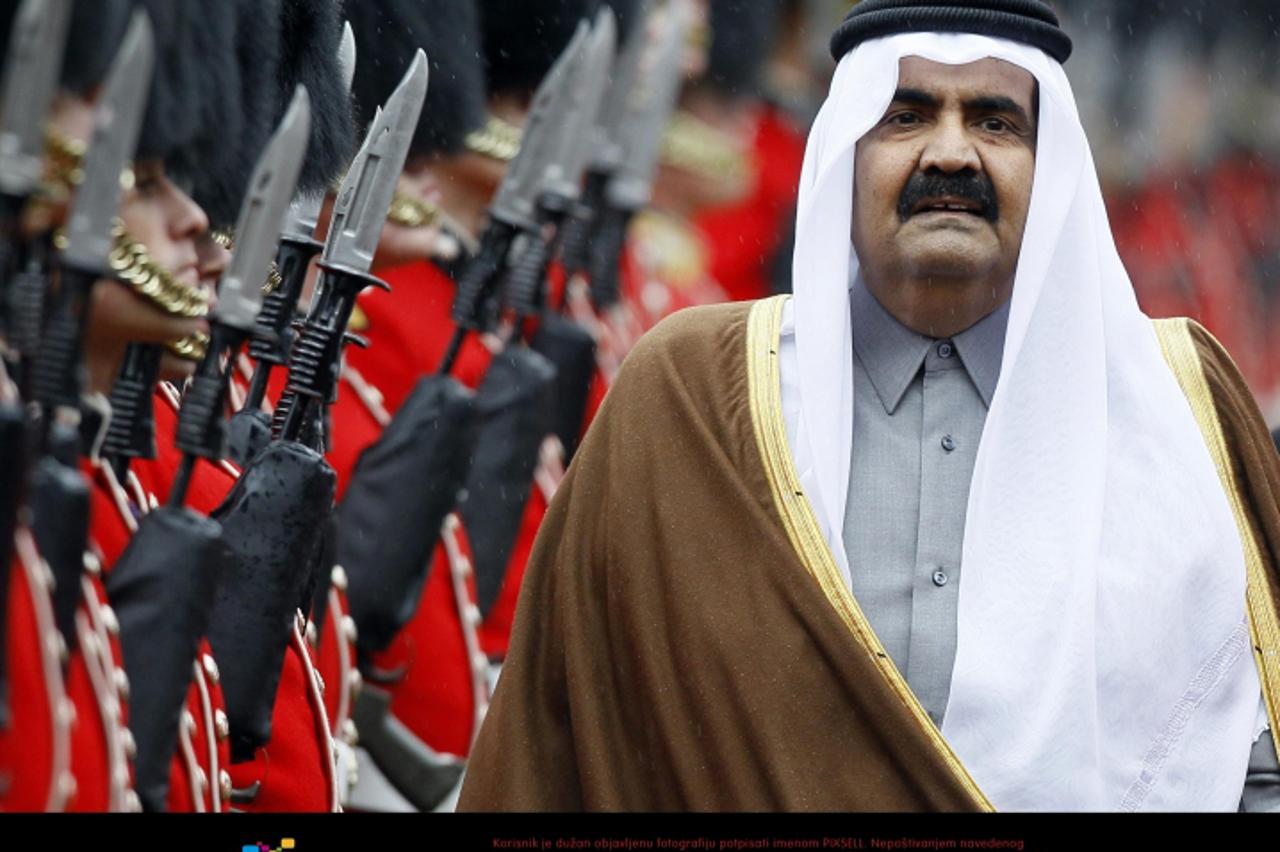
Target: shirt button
{"points": [[939, 578], [948, 443], [945, 350]]}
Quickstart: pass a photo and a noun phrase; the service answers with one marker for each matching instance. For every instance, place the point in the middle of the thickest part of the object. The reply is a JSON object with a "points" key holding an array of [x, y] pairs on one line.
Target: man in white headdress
{"points": [[955, 527]]}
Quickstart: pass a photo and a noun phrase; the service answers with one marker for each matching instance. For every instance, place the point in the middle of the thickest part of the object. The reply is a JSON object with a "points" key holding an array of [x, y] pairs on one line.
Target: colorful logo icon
{"points": [[285, 843]]}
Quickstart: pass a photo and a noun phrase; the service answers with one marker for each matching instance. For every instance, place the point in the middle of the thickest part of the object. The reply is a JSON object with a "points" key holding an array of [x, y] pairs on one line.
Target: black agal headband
{"points": [[1028, 21]]}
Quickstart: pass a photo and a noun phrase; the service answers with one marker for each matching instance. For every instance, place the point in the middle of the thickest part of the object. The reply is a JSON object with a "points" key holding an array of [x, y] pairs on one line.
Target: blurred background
{"points": [[1181, 102]]}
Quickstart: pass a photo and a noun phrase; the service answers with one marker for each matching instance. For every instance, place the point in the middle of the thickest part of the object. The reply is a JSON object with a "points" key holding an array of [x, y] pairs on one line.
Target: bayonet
{"points": [[359, 214], [304, 212], [630, 187], [117, 123], [257, 228], [201, 427], [644, 127], [600, 58], [606, 149], [83, 259], [273, 337], [31, 75], [561, 184], [371, 183], [608, 139], [347, 55], [568, 116], [517, 194], [514, 208]]}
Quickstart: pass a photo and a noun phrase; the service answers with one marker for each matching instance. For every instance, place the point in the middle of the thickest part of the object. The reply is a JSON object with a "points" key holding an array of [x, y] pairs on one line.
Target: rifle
{"points": [[30, 81], [629, 188], [283, 499], [273, 336], [348, 252], [164, 612], [58, 496]]}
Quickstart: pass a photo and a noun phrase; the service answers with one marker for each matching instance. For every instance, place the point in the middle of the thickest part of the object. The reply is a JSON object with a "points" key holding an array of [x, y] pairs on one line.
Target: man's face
{"points": [[174, 230], [942, 186]]}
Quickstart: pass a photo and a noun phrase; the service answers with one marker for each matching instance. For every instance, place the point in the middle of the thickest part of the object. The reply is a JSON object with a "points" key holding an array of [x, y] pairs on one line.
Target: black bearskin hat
{"points": [[255, 56], [627, 12], [742, 33], [387, 34], [523, 39], [191, 66], [310, 33]]}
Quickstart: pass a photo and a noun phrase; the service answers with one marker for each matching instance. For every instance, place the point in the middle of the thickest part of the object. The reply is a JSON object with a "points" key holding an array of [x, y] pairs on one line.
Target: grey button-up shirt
{"points": [[920, 408], [921, 405]]}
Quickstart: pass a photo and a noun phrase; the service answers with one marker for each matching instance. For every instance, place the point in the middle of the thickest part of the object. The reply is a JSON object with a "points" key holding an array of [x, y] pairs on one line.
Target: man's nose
{"points": [[187, 219], [950, 149]]}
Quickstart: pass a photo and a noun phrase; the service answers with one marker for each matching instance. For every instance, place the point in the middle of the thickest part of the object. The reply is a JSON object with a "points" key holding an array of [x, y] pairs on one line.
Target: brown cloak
{"points": [[684, 640]]}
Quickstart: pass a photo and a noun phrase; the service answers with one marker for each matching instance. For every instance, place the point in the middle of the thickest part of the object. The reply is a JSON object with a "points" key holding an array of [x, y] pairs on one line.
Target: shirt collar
{"points": [[892, 354]]}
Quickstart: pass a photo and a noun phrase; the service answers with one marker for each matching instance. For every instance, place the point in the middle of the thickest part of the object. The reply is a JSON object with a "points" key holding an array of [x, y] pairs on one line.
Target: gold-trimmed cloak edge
{"points": [[1180, 352], [764, 382]]}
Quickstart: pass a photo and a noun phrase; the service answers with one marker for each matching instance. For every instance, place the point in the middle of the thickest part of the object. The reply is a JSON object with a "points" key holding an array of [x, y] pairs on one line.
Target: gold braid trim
{"points": [[190, 348], [131, 263], [63, 164], [226, 239], [692, 145], [410, 212], [498, 139]]}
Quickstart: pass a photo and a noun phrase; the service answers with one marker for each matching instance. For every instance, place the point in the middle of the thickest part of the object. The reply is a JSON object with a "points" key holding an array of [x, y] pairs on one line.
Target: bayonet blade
{"points": [[347, 55], [518, 192], [116, 124], [270, 188], [632, 186], [36, 46], [365, 196], [608, 134], [595, 74], [304, 213], [567, 117]]}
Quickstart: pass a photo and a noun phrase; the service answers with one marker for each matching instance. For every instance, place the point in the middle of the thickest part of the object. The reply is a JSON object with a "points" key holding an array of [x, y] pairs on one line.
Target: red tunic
{"points": [[295, 770], [409, 329], [435, 694], [35, 751], [197, 776], [744, 237]]}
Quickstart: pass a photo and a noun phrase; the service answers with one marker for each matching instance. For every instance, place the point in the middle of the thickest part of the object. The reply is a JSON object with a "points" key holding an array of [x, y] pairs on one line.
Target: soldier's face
{"points": [[173, 228], [942, 184]]}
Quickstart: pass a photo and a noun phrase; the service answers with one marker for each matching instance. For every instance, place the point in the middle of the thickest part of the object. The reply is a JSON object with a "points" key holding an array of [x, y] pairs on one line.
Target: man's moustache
{"points": [[967, 185]]}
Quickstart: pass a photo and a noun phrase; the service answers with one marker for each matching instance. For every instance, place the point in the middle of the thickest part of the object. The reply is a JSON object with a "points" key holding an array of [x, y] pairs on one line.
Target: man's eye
{"points": [[904, 119], [995, 125]]}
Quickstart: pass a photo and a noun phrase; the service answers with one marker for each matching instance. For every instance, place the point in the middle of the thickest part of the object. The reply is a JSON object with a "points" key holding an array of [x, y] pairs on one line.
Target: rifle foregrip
{"points": [[606, 255], [481, 275], [316, 349], [198, 434], [525, 286], [55, 376], [273, 335], [202, 429], [576, 245], [26, 310], [131, 431], [575, 250]]}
